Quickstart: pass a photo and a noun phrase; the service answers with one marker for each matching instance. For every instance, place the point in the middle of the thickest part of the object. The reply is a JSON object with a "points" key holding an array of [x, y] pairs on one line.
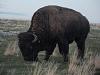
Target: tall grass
{"points": [[75, 67], [85, 67], [44, 68], [12, 48], [52, 67]]}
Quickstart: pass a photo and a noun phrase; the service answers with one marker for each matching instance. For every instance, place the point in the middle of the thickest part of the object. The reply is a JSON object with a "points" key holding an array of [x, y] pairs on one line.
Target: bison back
{"points": [[56, 21]]}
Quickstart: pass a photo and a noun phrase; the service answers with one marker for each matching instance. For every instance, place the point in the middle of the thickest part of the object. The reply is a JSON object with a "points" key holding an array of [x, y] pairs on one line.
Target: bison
{"points": [[51, 25]]}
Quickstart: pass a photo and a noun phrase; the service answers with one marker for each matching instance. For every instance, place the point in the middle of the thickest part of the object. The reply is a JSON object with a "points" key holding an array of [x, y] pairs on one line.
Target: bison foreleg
{"points": [[35, 57], [49, 51]]}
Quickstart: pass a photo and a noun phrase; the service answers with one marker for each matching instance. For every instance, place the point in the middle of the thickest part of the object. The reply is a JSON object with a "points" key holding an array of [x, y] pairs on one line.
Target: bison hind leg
{"points": [[81, 47], [64, 49]]}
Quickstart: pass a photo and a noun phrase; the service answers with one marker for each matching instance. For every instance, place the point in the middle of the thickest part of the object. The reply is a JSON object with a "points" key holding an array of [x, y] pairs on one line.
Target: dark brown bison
{"points": [[53, 25]]}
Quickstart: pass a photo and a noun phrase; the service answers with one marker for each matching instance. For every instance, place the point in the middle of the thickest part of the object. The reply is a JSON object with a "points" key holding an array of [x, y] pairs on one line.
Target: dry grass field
{"points": [[12, 63]]}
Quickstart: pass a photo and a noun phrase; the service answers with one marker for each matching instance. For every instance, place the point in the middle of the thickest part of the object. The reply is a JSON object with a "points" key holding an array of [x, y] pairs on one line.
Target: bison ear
{"points": [[35, 38]]}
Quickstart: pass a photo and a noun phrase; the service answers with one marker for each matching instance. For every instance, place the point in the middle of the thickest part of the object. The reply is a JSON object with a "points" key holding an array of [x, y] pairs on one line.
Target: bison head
{"points": [[28, 44]]}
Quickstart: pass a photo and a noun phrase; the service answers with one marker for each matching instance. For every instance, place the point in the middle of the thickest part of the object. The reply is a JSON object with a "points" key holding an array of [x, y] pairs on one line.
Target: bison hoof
{"points": [[30, 60], [46, 59], [79, 58], [65, 60], [36, 59]]}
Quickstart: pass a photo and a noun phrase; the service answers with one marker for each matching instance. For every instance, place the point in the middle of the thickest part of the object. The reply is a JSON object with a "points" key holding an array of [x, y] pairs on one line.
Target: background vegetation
{"points": [[12, 63]]}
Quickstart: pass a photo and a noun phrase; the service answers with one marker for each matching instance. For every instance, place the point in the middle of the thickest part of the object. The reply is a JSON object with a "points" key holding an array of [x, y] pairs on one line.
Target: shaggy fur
{"points": [[54, 25]]}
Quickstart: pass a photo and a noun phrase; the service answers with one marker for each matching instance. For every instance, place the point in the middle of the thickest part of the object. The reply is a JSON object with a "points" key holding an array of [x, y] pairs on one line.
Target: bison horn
{"points": [[35, 38]]}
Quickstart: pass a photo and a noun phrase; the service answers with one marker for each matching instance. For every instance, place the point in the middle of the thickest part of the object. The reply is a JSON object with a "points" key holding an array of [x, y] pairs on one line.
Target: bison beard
{"points": [[53, 25]]}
